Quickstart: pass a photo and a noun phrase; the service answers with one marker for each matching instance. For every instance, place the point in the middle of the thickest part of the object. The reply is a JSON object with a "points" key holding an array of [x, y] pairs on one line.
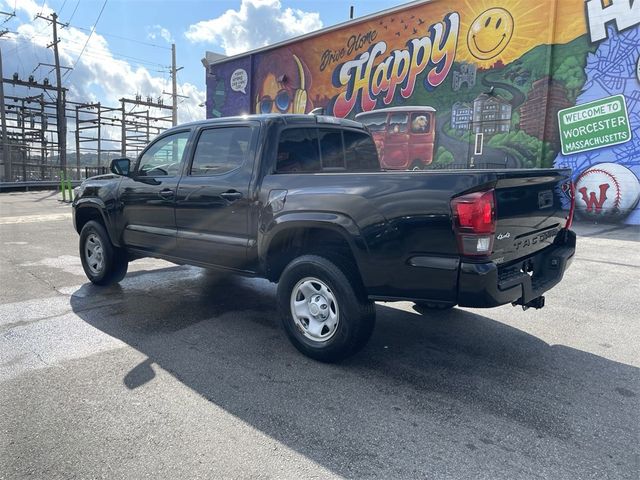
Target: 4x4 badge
{"points": [[503, 235]]}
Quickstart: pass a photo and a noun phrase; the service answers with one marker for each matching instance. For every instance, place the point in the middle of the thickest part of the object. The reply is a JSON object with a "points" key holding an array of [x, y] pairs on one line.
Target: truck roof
{"points": [[277, 117]]}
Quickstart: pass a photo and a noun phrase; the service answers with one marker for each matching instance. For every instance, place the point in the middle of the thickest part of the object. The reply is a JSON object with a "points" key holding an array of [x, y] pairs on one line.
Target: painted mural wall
{"points": [[482, 84]]}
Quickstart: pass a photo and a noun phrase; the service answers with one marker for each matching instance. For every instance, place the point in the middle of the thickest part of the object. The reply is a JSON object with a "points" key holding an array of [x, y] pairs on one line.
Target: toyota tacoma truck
{"points": [[301, 200]]}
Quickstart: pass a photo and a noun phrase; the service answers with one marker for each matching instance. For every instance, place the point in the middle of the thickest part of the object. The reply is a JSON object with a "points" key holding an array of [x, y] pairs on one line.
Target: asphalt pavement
{"points": [[179, 372]]}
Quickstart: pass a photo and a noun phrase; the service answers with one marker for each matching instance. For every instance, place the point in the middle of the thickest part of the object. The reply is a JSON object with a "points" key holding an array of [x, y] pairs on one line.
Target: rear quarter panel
{"points": [[396, 215]]}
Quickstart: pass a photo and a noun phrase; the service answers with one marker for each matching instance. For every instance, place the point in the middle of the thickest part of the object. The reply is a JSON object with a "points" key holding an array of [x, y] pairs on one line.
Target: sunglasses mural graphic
{"points": [[280, 93]]}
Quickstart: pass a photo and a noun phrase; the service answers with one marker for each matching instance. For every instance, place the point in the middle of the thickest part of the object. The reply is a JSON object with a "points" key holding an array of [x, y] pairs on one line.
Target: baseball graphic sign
{"points": [[607, 190]]}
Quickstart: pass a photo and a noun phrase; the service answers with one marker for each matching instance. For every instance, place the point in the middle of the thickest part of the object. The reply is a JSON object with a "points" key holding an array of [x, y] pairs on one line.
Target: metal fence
{"points": [[35, 172]]}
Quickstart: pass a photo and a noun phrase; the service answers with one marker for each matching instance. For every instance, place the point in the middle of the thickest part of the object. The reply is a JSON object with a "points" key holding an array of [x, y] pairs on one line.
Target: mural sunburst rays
{"points": [[493, 31]]}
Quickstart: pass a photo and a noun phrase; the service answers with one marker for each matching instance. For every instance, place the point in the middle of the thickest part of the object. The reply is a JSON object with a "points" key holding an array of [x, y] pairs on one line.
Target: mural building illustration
{"points": [[460, 84]]}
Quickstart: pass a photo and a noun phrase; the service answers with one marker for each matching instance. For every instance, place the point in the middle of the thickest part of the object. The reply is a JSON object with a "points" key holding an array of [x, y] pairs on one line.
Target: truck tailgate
{"points": [[529, 212]]}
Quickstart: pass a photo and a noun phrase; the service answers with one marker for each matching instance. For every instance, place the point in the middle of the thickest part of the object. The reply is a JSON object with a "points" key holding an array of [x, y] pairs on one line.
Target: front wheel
{"points": [[103, 263], [324, 312]]}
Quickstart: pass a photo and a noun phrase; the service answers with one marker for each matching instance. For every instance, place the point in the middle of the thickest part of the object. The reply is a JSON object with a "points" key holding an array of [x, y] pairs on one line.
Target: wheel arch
{"points": [[297, 235], [88, 210]]}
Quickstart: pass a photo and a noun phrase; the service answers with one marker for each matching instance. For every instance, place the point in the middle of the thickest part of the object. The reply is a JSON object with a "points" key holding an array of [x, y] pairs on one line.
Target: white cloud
{"points": [[257, 23], [99, 74], [32, 8], [158, 31]]}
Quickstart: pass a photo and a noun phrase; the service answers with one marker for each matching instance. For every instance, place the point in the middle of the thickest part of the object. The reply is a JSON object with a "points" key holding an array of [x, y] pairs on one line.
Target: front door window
{"points": [[163, 158]]}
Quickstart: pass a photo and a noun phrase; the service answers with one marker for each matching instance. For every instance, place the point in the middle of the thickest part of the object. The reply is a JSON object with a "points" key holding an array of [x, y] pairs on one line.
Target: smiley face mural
{"points": [[490, 33], [493, 75]]}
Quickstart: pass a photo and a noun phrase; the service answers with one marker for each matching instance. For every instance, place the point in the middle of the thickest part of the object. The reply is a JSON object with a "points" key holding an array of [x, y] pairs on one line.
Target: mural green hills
{"points": [[512, 82]]}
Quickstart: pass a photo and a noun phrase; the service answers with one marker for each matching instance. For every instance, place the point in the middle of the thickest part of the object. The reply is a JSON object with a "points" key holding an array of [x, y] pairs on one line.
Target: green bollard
{"points": [[70, 190], [63, 187]]}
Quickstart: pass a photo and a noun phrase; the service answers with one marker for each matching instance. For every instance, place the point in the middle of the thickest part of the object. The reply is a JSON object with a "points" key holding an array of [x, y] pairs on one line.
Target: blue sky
{"points": [[129, 51]]}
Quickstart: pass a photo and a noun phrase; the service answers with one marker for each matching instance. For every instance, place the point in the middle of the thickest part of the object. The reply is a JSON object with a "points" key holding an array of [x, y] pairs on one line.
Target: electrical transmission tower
{"points": [[34, 128], [137, 128]]}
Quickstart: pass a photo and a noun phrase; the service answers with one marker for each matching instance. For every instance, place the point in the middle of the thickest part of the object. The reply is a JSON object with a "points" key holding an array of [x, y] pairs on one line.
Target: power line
{"points": [[89, 37], [115, 55], [124, 38], [88, 51], [9, 16], [185, 101], [74, 11], [62, 7], [137, 61]]}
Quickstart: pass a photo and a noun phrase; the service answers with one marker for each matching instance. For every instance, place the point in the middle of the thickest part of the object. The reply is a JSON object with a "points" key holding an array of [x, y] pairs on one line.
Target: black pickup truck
{"points": [[301, 200]]}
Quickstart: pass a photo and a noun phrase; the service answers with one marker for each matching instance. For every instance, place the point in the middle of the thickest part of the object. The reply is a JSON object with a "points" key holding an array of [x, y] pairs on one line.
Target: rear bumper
{"points": [[486, 285]]}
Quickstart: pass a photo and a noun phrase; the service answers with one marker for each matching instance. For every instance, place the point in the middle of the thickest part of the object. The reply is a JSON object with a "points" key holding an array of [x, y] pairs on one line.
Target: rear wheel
{"points": [[324, 312], [103, 263]]}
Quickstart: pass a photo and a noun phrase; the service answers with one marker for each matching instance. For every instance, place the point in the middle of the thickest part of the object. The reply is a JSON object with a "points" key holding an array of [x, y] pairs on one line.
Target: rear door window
{"points": [[220, 150]]}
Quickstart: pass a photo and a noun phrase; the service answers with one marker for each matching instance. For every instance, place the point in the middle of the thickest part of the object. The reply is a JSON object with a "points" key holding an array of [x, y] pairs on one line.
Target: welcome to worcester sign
{"points": [[593, 125]]}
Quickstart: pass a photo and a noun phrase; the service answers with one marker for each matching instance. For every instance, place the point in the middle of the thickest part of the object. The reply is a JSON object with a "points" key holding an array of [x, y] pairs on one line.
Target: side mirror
{"points": [[120, 166]]}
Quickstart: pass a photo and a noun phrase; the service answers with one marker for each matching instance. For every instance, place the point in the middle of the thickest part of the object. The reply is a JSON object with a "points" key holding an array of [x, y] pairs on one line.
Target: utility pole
{"points": [[174, 87], [60, 106], [60, 97], [6, 154], [43, 131]]}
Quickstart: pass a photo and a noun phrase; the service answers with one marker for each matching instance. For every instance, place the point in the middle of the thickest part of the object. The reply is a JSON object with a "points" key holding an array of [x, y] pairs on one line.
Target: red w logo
{"points": [[592, 202]]}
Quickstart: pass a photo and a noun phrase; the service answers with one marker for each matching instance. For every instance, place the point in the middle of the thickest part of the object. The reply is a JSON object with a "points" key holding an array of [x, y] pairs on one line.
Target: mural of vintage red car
{"points": [[404, 136]]}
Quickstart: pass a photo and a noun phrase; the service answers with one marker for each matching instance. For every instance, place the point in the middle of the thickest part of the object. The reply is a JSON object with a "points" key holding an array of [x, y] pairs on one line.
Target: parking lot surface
{"points": [[179, 372]]}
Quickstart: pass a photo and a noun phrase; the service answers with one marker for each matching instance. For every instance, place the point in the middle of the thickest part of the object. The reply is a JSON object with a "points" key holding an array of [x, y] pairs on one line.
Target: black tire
{"points": [[433, 306], [114, 264], [356, 314]]}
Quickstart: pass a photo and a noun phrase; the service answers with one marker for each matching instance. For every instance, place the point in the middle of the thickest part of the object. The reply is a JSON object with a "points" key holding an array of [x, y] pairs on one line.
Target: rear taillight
{"points": [[572, 209], [474, 222]]}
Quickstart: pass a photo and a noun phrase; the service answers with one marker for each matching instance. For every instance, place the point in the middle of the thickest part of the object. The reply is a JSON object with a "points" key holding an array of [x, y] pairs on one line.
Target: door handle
{"points": [[231, 195], [166, 194]]}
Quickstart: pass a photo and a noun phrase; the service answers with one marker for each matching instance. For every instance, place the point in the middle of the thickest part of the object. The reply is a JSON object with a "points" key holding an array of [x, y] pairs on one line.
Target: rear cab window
{"points": [[298, 151], [315, 150]]}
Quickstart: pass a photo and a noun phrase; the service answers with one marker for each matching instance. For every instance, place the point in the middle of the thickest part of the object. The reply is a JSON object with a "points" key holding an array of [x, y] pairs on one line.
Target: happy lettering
{"points": [[354, 43], [368, 78]]}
